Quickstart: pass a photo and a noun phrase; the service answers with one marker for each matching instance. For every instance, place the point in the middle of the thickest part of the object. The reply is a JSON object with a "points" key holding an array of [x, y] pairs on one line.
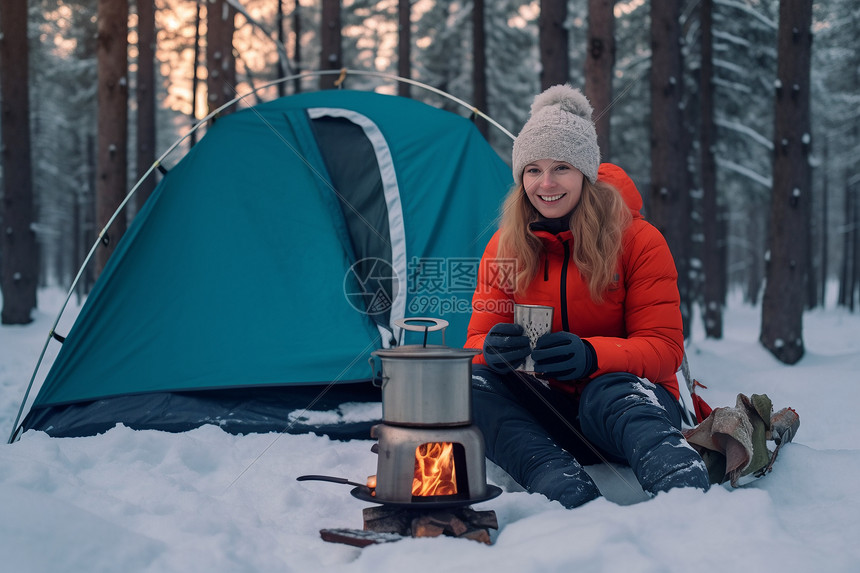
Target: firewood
{"points": [[424, 527], [386, 520], [462, 522], [484, 519], [452, 524], [481, 535], [357, 537]]}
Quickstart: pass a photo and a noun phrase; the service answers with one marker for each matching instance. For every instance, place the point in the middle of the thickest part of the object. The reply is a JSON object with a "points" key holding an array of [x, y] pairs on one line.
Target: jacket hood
{"points": [[618, 178]]}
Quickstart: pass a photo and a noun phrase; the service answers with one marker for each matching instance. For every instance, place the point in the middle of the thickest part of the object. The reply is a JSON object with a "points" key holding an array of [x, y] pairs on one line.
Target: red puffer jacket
{"points": [[637, 328]]}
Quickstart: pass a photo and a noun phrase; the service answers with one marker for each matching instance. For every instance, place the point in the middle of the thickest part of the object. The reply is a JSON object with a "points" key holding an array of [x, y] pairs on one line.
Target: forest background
{"points": [[738, 119]]}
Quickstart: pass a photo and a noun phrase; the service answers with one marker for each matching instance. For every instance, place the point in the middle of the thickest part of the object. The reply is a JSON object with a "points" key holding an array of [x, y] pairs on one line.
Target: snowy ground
{"points": [[209, 501]]}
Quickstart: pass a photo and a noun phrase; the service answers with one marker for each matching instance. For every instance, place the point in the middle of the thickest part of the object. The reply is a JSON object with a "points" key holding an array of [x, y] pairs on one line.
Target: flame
{"points": [[434, 470], [371, 485]]}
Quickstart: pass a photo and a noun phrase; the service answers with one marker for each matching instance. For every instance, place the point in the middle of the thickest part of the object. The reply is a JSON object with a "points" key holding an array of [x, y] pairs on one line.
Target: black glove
{"points": [[506, 347], [564, 356]]}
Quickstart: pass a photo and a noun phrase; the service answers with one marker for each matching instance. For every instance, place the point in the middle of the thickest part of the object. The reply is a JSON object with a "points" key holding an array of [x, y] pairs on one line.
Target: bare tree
{"points": [[221, 83], [669, 206], [404, 46], [19, 261], [195, 72], [145, 97], [788, 238], [599, 62], [111, 160], [282, 39], [479, 65], [714, 247], [297, 44], [555, 61], [331, 53]]}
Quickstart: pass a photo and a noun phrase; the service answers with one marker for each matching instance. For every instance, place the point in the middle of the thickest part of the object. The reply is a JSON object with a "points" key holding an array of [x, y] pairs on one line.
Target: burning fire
{"points": [[434, 470]]}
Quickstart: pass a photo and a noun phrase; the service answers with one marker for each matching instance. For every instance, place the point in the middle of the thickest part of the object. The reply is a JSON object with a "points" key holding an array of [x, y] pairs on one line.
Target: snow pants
{"points": [[542, 437]]}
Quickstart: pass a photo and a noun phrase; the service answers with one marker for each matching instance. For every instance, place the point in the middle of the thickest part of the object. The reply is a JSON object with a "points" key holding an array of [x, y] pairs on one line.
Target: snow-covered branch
{"points": [[727, 65], [749, 10], [746, 130], [746, 172], [731, 38], [736, 86]]}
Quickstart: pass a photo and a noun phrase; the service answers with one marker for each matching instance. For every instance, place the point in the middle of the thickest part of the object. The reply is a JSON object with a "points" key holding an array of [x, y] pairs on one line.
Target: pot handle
{"points": [[428, 324], [377, 381]]}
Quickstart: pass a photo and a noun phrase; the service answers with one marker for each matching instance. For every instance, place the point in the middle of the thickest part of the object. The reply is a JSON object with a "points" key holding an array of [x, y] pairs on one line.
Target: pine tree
{"points": [[788, 241], [18, 261], [599, 64], [112, 123], [670, 201]]}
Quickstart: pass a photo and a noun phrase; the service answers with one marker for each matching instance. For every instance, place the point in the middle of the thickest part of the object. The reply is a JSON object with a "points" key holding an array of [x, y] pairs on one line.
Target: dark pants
{"points": [[542, 437]]}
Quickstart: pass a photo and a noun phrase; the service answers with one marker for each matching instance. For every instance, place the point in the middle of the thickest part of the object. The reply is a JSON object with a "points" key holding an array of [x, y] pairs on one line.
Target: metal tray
{"points": [[363, 494]]}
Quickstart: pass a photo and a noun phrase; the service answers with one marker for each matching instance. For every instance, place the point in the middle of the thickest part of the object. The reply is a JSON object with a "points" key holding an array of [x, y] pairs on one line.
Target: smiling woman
{"points": [[602, 386]]}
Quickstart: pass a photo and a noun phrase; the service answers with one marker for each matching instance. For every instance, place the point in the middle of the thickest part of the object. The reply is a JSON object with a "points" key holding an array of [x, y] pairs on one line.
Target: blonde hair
{"points": [[597, 223]]}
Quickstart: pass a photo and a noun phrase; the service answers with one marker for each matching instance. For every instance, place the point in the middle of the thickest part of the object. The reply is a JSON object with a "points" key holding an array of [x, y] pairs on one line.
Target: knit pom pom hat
{"points": [[559, 128]]}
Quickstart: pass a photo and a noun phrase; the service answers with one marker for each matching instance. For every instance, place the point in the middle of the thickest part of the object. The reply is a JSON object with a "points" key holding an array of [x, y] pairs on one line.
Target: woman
{"points": [[604, 385]]}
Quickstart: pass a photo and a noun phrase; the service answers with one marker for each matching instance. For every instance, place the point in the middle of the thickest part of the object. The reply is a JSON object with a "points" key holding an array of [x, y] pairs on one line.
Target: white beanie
{"points": [[559, 128]]}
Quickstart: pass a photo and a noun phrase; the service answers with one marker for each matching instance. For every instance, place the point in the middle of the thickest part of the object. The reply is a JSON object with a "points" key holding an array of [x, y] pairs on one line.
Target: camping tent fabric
{"points": [[238, 273]]}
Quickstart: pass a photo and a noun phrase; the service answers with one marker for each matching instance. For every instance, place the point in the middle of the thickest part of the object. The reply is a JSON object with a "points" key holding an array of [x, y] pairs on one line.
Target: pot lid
{"points": [[430, 351]]}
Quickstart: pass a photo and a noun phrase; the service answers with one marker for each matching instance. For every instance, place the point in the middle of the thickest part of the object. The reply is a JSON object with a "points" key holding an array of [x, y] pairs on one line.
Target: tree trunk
{"points": [[331, 53], [195, 74], [755, 274], [19, 261], [669, 207], [145, 97], [282, 47], [221, 84], [404, 47], [111, 159], [712, 289], [479, 66], [825, 226], [854, 291], [846, 288], [599, 63], [297, 44], [554, 58], [788, 241]]}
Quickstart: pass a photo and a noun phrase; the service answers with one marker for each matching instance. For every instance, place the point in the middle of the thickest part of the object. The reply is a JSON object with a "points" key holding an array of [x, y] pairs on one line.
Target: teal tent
{"points": [[272, 260]]}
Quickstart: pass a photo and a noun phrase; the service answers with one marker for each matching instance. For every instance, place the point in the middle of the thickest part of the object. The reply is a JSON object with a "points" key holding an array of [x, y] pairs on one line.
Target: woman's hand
{"points": [[564, 356], [506, 347]]}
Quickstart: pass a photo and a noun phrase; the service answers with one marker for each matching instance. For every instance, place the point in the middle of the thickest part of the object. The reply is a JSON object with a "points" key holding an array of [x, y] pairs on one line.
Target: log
{"points": [[481, 535], [483, 519], [461, 522], [387, 520], [357, 537]]}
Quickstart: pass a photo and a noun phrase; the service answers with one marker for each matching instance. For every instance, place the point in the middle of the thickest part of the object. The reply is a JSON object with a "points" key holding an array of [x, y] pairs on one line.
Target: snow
{"points": [[209, 501]]}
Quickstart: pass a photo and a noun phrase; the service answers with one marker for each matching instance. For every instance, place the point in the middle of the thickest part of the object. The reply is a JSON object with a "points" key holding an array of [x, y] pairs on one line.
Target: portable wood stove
{"points": [[430, 456]]}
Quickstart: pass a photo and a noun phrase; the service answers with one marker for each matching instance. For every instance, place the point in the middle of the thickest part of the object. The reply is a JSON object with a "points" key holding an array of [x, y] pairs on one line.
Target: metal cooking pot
{"points": [[426, 385]]}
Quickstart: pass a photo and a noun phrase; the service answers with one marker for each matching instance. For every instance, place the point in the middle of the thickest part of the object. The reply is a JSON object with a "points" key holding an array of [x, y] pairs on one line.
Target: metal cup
{"points": [[536, 321]]}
